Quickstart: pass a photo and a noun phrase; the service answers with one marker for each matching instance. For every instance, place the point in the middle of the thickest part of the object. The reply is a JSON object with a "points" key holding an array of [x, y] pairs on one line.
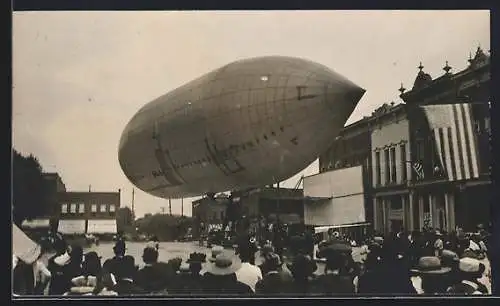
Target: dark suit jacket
{"points": [[127, 287], [275, 283]]}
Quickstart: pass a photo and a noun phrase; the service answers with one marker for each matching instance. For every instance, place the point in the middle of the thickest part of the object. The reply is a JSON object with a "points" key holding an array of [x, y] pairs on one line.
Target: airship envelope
{"points": [[250, 123]]}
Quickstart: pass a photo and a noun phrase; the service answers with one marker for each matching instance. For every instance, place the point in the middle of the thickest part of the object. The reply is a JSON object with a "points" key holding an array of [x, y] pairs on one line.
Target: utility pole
{"points": [[182, 207], [169, 206], [162, 210], [90, 187], [133, 198]]}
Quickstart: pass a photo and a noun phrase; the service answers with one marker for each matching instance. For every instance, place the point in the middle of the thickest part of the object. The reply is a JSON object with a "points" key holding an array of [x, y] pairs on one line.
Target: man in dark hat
{"points": [[189, 279], [152, 277], [113, 265], [302, 269], [248, 273], [265, 251], [275, 281], [125, 284], [338, 277]]}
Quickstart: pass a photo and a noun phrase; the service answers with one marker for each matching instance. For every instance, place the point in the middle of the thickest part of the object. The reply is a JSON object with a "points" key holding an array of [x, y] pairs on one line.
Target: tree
{"points": [[30, 194], [124, 218]]}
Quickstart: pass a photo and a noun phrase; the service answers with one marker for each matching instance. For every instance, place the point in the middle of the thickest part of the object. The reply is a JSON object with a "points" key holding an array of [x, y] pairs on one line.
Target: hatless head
{"points": [[92, 264], [150, 256], [119, 248]]}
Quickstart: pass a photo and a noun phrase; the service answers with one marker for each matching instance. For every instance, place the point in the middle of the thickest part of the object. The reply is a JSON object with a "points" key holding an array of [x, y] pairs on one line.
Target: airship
{"points": [[251, 123]]}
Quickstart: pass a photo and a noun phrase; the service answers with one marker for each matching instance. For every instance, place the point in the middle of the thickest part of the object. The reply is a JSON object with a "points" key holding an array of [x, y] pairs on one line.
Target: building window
{"points": [[378, 175], [64, 208], [103, 207], [81, 208], [111, 208], [94, 208], [73, 208], [387, 166], [393, 165], [403, 162]]}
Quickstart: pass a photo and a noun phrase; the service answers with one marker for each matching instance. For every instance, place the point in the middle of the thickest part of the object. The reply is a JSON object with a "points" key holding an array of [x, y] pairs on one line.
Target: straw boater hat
{"points": [[266, 250], [471, 267], [448, 258], [223, 265], [430, 265], [216, 250]]}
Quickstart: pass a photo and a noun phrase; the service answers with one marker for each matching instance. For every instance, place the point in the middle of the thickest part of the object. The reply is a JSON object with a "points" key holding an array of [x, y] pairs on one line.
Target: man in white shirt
{"points": [[248, 274]]}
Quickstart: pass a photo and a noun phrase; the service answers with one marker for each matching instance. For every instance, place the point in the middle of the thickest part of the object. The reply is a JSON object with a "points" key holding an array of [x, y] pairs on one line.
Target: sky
{"points": [[79, 77]]}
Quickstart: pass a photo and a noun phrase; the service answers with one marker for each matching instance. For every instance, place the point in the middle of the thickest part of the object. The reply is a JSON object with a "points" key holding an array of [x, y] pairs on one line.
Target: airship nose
{"points": [[343, 99]]}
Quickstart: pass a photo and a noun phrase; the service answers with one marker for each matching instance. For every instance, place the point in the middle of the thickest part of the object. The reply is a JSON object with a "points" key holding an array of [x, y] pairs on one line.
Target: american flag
{"points": [[455, 140], [419, 170]]}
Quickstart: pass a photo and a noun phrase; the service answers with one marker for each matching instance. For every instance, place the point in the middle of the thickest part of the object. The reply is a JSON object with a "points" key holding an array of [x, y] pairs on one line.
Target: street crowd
{"points": [[429, 262]]}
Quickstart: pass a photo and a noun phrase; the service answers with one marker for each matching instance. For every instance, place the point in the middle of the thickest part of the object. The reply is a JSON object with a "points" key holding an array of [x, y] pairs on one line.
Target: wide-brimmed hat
{"points": [[471, 266], [184, 268], [378, 239], [430, 265], [62, 259], [223, 265], [216, 250], [449, 257], [196, 258]]}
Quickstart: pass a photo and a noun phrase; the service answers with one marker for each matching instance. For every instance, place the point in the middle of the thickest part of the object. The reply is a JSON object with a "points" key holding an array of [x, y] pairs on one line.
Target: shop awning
{"points": [[36, 223], [323, 229], [102, 227]]}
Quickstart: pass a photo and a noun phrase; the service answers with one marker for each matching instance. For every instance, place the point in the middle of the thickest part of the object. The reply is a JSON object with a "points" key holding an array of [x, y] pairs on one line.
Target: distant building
{"points": [[88, 212], [210, 212], [392, 204]]}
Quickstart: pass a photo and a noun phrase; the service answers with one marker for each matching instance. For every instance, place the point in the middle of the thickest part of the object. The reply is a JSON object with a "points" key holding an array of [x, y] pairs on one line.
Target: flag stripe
{"points": [[447, 153], [457, 145], [443, 154], [462, 141], [467, 148], [452, 154], [473, 141]]}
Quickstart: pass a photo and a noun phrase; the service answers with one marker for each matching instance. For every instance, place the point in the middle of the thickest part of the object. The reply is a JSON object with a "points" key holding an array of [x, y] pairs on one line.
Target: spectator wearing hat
{"points": [[221, 279], [153, 277], [450, 259], [248, 273], [189, 279], [383, 263], [275, 281], [338, 278], [125, 284], [433, 275], [91, 264], [265, 251], [113, 265], [470, 270], [302, 269]]}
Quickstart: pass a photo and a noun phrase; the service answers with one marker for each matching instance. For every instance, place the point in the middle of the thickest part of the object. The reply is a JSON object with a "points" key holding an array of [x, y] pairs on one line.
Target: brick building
{"points": [[87, 212], [210, 212]]}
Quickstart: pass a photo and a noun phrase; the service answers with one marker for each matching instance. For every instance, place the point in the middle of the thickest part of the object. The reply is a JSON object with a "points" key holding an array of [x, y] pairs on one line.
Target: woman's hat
{"points": [[196, 258], [216, 250], [184, 267], [223, 265], [378, 239], [430, 265]]}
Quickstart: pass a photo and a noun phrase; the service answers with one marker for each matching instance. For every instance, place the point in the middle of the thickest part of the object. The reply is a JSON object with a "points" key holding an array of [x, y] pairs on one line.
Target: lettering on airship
{"points": [[301, 93], [295, 140], [223, 160], [168, 171]]}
